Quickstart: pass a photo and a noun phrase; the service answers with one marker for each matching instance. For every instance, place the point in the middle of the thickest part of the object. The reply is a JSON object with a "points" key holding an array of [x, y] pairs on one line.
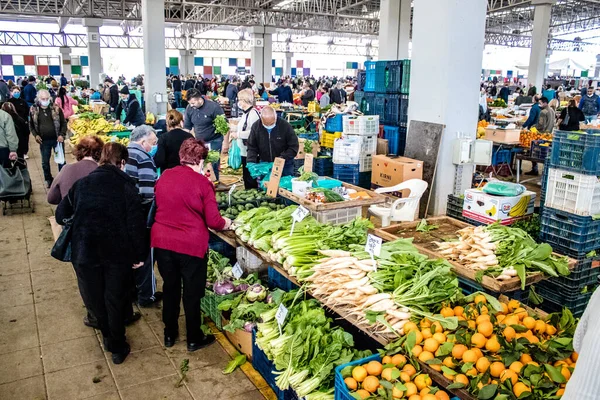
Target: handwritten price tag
{"points": [[230, 193], [373, 245], [237, 271], [281, 314], [300, 213]]}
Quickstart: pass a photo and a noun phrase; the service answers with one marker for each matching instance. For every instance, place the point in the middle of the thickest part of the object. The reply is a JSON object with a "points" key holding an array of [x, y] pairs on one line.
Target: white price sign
{"points": [[282, 312], [237, 271], [230, 193], [300, 213], [373, 246]]}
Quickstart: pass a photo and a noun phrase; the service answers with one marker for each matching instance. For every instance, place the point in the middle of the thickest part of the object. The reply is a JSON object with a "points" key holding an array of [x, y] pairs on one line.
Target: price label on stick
{"points": [[373, 246], [300, 213], [282, 312], [237, 271], [230, 193]]}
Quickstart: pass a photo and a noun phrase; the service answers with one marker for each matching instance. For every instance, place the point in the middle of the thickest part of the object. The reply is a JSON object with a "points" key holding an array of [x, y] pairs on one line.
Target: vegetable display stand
{"points": [[222, 245], [447, 228], [265, 367], [209, 305], [552, 303]]}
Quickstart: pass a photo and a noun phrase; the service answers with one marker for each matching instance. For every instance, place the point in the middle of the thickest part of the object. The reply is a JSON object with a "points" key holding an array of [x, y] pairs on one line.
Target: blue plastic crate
{"points": [[396, 138], [396, 110], [361, 79], [379, 106], [577, 152], [501, 156], [349, 173], [309, 136], [323, 166], [358, 98], [538, 151], [220, 246], [370, 76], [469, 287], [380, 76], [341, 391], [544, 185], [265, 367], [367, 105], [405, 84], [553, 303], [277, 280], [335, 124], [569, 234], [585, 272], [394, 76]]}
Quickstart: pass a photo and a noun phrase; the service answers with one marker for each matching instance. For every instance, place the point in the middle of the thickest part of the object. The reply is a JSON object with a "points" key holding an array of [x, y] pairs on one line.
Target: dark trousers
{"points": [[145, 281], [178, 97], [105, 288], [4, 154], [249, 181], [175, 268], [216, 145], [46, 148]]}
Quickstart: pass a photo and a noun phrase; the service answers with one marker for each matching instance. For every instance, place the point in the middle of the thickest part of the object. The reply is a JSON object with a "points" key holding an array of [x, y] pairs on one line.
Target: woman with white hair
{"points": [[246, 103], [48, 126]]}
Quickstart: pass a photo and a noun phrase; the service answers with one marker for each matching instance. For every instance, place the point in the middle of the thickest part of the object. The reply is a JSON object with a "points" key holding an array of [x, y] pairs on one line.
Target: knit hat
{"points": [[125, 90]]}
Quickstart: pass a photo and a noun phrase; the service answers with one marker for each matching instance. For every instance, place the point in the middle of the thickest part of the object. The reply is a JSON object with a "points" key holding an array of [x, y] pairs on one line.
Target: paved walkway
{"points": [[47, 353]]}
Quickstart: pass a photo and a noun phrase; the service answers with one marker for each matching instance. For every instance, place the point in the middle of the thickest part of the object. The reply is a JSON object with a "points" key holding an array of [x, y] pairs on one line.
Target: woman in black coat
{"points": [[167, 153], [108, 239], [575, 116], [21, 127]]}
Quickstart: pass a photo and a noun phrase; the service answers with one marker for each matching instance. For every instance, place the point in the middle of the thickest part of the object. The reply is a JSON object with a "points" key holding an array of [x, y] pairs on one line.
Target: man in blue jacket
{"points": [[532, 120], [284, 93], [590, 105], [30, 92]]}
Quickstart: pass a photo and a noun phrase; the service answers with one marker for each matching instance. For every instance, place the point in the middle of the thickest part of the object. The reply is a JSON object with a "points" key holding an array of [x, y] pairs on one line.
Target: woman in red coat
{"points": [[185, 208]]}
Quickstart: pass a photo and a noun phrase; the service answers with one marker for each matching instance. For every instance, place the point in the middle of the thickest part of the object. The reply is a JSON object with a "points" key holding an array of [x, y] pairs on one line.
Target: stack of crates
{"points": [[571, 200], [386, 95], [353, 154]]}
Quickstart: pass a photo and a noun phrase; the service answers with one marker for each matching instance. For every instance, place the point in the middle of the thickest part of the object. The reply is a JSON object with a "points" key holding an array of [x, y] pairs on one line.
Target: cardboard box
{"points": [[241, 339], [488, 209], [502, 135], [301, 153], [391, 171], [382, 146]]}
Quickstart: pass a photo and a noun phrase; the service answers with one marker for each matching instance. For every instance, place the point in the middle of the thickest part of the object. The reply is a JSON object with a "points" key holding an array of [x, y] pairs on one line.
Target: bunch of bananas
{"points": [[150, 118], [519, 209], [105, 138], [119, 127], [91, 126]]}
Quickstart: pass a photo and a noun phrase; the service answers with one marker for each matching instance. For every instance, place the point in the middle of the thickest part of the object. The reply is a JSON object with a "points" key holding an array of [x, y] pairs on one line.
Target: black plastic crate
{"points": [[388, 76], [576, 151], [538, 151], [454, 209], [298, 163], [323, 166], [469, 287], [220, 246], [359, 96], [361, 80], [569, 234], [392, 109], [278, 281], [367, 106], [544, 184], [577, 307]]}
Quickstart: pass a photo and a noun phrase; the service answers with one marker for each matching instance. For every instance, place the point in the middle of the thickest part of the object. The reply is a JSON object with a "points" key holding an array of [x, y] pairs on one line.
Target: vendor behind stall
{"points": [[272, 137]]}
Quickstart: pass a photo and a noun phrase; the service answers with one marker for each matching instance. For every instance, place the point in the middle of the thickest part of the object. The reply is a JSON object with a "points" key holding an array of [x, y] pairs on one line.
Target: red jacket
{"points": [[185, 208]]}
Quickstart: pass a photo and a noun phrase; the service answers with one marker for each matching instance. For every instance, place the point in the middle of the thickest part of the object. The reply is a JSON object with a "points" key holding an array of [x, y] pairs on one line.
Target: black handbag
{"points": [[151, 214], [62, 247]]}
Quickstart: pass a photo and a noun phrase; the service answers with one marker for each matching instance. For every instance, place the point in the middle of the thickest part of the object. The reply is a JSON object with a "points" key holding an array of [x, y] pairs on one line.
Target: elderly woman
{"points": [[49, 127], [249, 116], [108, 240], [167, 154], [180, 240]]}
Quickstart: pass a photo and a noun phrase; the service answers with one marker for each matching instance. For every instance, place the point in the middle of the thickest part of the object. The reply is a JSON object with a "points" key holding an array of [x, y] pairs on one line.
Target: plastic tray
{"points": [[577, 152], [335, 124], [341, 391], [572, 192], [277, 280], [338, 217], [370, 76], [538, 151], [367, 105], [396, 109], [309, 136], [248, 261], [209, 305], [265, 367], [366, 125], [350, 149], [328, 139], [454, 208], [349, 173], [569, 234], [389, 77]]}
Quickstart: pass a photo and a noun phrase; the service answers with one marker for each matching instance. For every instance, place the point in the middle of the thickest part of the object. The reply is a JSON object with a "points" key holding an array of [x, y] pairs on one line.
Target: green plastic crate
{"points": [[209, 305], [120, 134]]}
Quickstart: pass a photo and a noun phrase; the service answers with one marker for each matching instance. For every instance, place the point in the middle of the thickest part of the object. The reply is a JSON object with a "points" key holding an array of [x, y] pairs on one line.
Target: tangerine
{"points": [[431, 345], [519, 388], [371, 384], [485, 328], [496, 369], [478, 340], [363, 393], [458, 351], [359, 373], [399, 360], [374, 368], [469, 356], [482, 365], [351, 383]]}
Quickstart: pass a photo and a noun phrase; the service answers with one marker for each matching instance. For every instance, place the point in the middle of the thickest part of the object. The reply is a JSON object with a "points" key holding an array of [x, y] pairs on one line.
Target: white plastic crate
{"points": [[365, 125], [338, 217], [248, 261], [366, 163], [572, 192], [347, 151]]}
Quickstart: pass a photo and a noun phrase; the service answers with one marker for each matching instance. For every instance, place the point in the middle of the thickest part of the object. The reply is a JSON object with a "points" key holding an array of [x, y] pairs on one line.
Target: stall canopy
{"points": [[562, 65]]}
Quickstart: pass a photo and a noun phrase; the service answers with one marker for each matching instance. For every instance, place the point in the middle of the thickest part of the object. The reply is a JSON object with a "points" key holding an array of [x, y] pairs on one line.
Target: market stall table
{"points": [[520, 158]]}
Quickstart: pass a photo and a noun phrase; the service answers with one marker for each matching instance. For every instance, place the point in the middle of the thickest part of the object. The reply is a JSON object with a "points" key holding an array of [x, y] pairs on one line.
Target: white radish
{"points": [[400, 324], [335, 253], [503, 277], [382, 305], [375, 298], [368, 289], [355, 284], [399, 314]]}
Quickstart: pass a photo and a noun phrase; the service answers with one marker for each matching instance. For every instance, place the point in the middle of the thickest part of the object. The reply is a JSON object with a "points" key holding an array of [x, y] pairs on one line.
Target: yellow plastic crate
{"points": [[327, 138]]}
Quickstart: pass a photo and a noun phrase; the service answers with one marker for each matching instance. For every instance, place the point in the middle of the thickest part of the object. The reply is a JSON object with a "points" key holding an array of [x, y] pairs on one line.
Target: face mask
{"points": [[16, 95], [153, 150], [44, 103], [269, 127]]}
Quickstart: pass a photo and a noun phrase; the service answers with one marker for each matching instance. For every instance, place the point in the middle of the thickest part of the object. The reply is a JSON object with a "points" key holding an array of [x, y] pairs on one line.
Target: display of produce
{"points": [[90, 123], [528, 136], [499, 350], [498, 103], [481, 125], [503, 252], [247, 307]]}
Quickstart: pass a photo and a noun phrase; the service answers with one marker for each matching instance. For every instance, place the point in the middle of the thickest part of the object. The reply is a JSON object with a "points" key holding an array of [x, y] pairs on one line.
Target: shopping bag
{"points": [[234, 160], [14, 181], [59, 154], [62, 247]]}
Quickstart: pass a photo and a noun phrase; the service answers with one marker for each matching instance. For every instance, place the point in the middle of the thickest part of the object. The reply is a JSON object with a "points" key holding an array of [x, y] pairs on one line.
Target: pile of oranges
{"points": [[527, 136], [506, 348], [394, 378]]}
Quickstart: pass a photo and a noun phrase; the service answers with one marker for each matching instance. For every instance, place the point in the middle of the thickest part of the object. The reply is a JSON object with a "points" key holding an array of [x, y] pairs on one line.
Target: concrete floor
{"points": [[47, 353]]}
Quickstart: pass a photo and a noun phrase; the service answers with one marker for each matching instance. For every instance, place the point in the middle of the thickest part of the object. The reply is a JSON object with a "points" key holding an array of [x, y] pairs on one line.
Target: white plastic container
{"points": [[365, 125], [248, 261], [338, 217], [299, 187], [572, 192]]}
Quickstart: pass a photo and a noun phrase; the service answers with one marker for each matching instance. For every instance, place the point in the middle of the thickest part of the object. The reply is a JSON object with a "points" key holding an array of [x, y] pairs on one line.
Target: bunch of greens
{"points": [[308, 146], [216, 266], [221, 125], [423, 226], [213, 157], [244, 313], [299, 130], [530, 225], [330, 195], [307, 348], [516, 249], [307, 176]]}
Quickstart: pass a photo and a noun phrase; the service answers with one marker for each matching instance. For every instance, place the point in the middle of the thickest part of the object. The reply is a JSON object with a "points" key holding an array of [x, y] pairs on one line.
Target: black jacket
{"points": [[133, 111], [338, 96], [114, 96], [575, 117], [176, 85], [307, 97], [281, 142], [189, 84], [167, 154], [21, 107], [108, 221]]}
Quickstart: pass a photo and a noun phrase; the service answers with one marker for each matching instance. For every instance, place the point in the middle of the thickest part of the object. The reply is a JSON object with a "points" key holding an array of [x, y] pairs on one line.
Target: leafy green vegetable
{"points": [[307, 176], [424, 227], [213, 157], [221, 125], [232, 365]]}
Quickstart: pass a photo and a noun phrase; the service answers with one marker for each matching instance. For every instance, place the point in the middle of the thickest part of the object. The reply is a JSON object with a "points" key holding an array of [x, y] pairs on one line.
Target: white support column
{"points": [[95, 58], [394, 29], [153, 27], [597, 71], [65, 61], [462, 52], [186, 61], [287, 71], [261, 52], [539, 42]]}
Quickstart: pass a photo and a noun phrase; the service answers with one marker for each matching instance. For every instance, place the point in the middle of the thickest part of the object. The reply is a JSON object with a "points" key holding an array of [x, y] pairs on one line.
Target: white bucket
{"points": [[299, 187]]}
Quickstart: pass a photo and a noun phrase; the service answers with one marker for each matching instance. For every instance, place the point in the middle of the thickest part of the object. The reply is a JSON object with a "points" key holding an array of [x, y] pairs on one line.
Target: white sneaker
{"points": [[26, 157]]}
